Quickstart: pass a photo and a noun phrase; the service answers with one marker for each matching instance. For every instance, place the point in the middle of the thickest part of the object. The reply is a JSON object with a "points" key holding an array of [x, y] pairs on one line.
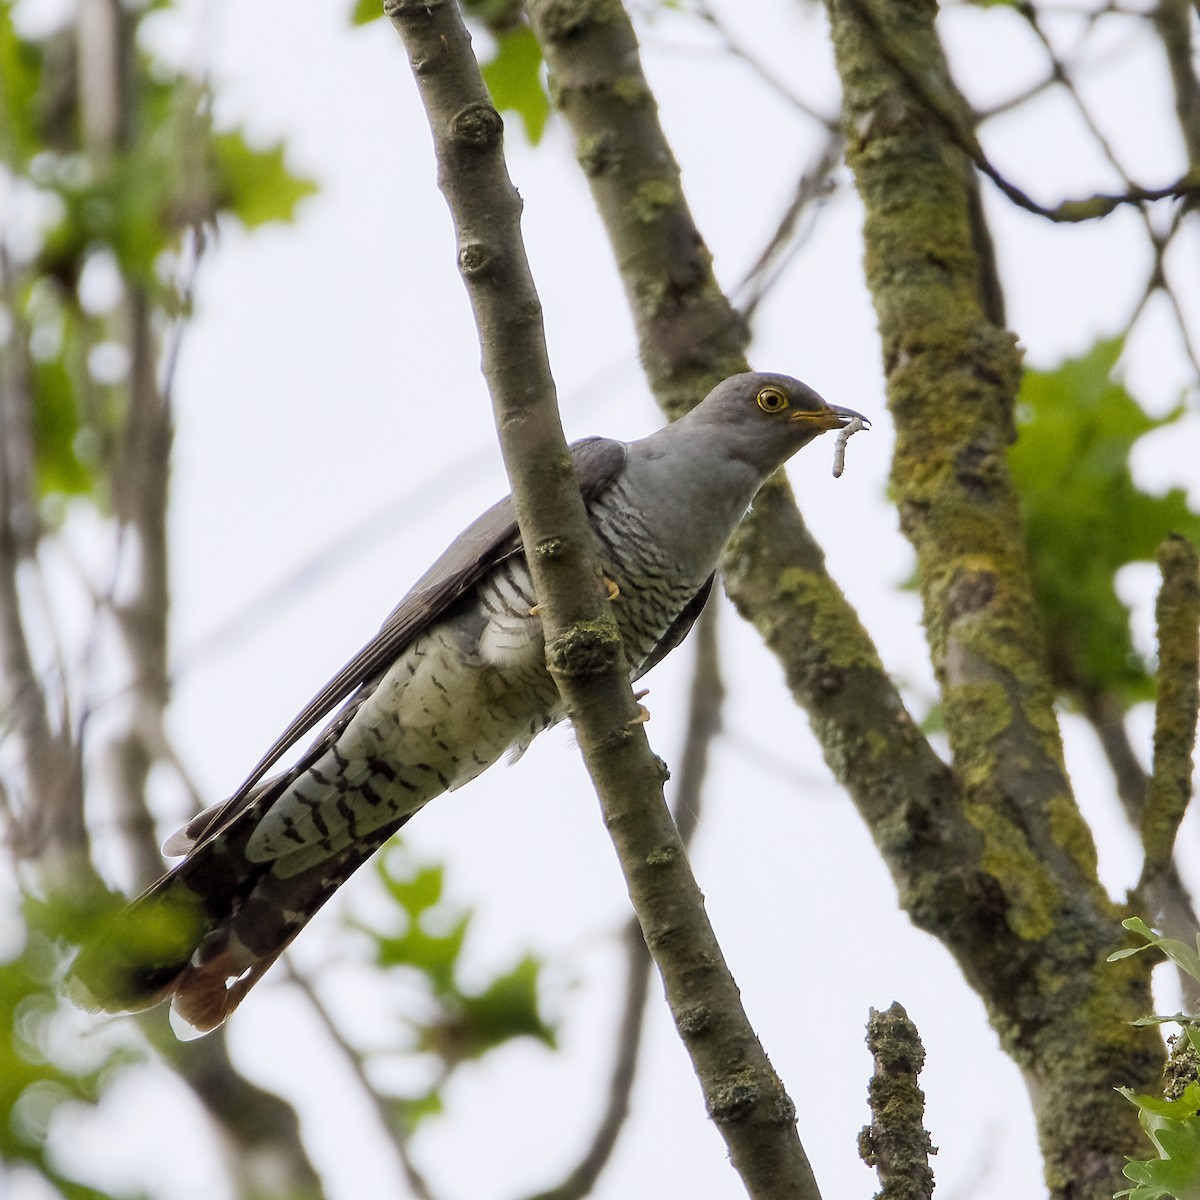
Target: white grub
{"points": [[839, 446]]}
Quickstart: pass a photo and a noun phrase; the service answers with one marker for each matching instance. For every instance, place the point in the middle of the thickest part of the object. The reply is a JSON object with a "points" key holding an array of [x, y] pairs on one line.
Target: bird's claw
{"points": [[609, 586], [643, 713]]}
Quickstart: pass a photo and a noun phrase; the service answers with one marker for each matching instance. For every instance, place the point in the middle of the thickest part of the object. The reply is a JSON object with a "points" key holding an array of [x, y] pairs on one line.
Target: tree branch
{"points": [[47, 820], [260, 1129], [1165, 898], [896, 1143], [970, 876], [774, 570], [745, 1097], [386, 1113], [1173, 26], [704, 722], [140, 501], [1177, 615], [952, 382], [957, 128]]}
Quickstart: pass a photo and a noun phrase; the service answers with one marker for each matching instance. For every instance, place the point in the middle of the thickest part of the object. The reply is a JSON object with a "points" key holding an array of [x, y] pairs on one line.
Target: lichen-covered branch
{"points": [[1164, 897], [952, 379], [1007, 879], [690, 336], [1178, 618], [774, 570], [745, 1098], [896, 1142]]}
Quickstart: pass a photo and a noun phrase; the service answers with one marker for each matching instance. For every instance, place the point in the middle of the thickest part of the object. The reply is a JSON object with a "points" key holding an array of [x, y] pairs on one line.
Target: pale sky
{"points": [[331, 376]]}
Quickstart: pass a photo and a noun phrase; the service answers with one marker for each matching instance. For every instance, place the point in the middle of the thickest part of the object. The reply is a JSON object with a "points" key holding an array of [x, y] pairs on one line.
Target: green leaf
{"points": [[1174, 1128], [514, 79], [415, 893], [432, 938], [366, 11], [255, 185], [434, 955], [1086, 518], [507, 1008], [1180, 953], [56, 432]]}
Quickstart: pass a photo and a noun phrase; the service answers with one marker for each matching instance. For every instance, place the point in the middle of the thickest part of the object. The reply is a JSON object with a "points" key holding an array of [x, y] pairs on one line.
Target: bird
{"points": [[454, 679]]}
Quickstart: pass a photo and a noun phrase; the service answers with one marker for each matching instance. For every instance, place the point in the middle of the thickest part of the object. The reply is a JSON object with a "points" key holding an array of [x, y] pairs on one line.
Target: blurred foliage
{"points": [[255, 185], [514, 78], [462, 1026], [127, 950], [1173, 1125], [513, 74], [97, 225], [130, 214], [45, 1067], [366, 11], [1086, 517]]}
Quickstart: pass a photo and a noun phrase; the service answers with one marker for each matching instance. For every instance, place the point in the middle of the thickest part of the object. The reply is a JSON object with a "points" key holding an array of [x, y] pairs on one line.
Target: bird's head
{"points": [[764, 418]]}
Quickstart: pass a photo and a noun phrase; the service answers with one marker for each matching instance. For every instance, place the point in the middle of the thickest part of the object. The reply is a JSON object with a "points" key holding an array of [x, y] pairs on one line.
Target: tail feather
{"points": [[208, 930]]}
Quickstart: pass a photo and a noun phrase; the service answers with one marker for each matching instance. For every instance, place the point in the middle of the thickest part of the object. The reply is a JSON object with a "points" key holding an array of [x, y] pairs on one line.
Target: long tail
{"points": [[209, 929]]}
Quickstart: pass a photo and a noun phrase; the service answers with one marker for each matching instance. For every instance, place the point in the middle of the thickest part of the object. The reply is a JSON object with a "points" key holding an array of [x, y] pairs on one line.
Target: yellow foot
{"points": [[610, 587], [643, 713]]}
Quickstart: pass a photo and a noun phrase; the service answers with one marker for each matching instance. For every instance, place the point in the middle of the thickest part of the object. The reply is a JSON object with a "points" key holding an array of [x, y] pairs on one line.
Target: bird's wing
{"points": [[679, 628], [488, 540]]}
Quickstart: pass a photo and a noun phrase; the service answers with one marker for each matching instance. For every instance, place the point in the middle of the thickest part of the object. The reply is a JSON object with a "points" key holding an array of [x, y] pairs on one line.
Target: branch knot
{"points": [[478, 126]]}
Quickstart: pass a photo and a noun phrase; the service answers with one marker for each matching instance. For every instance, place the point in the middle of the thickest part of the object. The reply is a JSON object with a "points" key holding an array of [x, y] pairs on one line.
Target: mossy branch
{"points": [[1177, 616], [896, 1142], [745, 1098], [690, 336], [952, 381]]}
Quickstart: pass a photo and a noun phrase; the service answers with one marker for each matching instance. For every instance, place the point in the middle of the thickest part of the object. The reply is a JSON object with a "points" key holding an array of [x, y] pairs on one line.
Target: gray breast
{"points": [[655, 584]]}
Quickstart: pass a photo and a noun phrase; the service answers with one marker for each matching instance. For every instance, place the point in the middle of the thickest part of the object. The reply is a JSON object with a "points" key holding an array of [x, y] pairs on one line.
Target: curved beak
{"points": [[830, 417]]}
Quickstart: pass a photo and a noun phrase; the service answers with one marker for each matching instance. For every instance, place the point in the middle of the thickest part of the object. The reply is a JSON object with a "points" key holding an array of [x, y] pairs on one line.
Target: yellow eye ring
{"points": [[772, 400]]}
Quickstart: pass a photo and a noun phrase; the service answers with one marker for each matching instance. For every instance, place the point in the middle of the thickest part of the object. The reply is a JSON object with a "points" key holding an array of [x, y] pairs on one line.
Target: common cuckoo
{"points": [[455, 678]]}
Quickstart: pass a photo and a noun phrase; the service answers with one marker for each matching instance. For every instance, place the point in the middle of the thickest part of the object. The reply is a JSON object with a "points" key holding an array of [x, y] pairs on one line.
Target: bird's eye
{"points": [[772, 400]]}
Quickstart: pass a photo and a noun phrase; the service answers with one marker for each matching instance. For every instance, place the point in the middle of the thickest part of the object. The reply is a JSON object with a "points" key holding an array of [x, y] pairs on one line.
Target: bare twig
{"points": [[1089, 208], [385, 1111], [812, 187], [1174, 29], [736, 49]]}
